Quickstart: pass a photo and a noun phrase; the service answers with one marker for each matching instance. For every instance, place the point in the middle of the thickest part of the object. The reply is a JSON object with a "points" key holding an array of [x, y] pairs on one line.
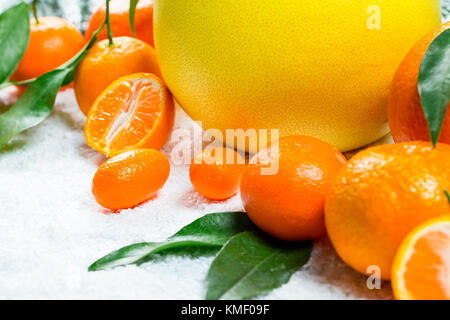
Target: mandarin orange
{"points": [[380, 196], [216, 172], [422, 264], [283, 189]]}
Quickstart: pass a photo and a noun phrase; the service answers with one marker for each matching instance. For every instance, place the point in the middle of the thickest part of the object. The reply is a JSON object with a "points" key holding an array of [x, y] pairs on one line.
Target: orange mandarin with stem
{"points": [[284, 187]]}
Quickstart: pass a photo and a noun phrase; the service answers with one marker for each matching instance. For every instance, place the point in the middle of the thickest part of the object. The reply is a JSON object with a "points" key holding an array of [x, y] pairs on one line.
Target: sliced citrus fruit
{"points": [[136, 111], [421, 270]]}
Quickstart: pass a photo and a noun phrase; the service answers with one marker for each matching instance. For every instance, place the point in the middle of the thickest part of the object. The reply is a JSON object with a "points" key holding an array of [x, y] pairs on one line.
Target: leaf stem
{"points": [[448, 195], [108, 23], [33, 7], [131, 16]]}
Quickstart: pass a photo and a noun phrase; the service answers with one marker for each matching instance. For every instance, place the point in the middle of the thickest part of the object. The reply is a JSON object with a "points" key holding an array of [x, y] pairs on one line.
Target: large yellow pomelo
{"points": [[315, 67]]}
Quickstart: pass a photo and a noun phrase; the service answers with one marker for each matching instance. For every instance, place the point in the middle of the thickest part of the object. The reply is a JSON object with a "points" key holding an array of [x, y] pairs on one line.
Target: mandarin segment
{"points": [[130, 178], [421, 267], [134, 112], [216, 172], [289, 202], [380, 196]]}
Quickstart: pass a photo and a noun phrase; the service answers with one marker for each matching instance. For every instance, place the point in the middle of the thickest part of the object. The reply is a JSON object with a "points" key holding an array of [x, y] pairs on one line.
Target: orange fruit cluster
{"points": [[130, 111], [367, 206], [420, 270]]}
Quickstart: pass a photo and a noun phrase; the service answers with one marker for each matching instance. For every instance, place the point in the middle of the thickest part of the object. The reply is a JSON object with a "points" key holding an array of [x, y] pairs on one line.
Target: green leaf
{"points": [[434, 83], [448, 195], [132, 13], [203, 236], [251, 264], [34, 105], [14, 35]]}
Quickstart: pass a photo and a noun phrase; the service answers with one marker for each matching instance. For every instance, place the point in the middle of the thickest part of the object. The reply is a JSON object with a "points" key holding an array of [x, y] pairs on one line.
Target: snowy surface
{"points": [[51, 228]]}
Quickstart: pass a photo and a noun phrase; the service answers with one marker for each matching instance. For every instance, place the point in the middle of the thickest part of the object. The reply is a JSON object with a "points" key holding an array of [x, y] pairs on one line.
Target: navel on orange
{"points": [[136, 111], [421, 269]]}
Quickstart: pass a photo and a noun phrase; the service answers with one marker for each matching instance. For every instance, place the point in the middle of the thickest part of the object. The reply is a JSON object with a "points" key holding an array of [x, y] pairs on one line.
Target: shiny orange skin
{"points": [[120, 24], [380, 196], [52, 42], [130, 178], [213, 176], [406, 117], [105, 64], [289, 204]]}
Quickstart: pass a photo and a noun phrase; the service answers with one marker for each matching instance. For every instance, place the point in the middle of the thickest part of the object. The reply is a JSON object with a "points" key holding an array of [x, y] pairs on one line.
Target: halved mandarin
{"points": [[136, 111], [421, 270]]}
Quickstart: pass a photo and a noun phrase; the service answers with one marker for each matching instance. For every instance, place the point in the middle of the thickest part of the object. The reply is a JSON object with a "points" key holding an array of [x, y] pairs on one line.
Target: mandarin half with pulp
{"points": [[422, 264], [136, 111]]}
